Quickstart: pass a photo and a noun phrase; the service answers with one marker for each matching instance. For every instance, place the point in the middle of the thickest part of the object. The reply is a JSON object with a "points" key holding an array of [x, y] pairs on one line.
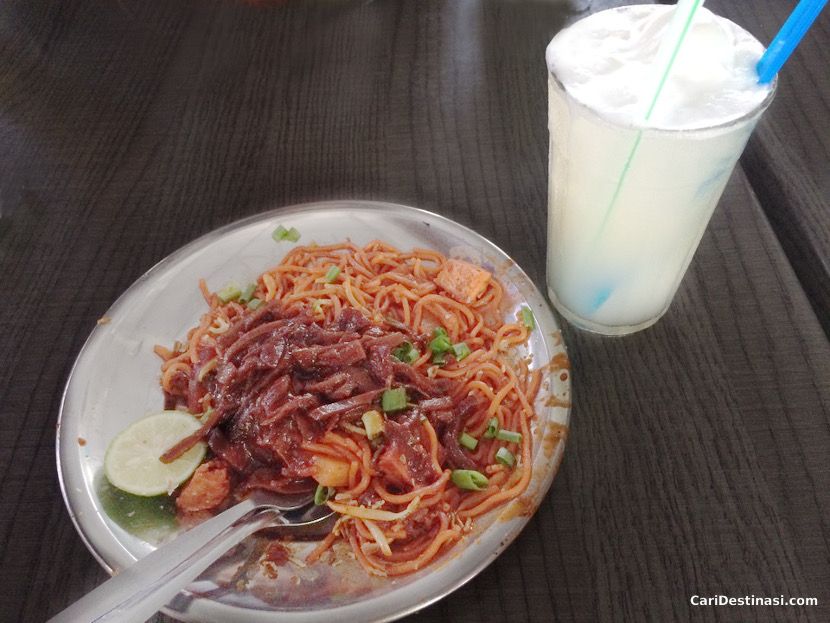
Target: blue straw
{"points": [[790, 35]]}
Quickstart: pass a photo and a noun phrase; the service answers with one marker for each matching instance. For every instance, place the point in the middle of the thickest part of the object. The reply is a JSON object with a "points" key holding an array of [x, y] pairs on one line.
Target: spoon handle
{"points": [[137, 592]]}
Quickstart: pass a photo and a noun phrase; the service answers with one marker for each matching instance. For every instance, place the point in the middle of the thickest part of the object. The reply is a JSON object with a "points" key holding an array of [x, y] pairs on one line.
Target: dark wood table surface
{"points": [[699, 457]]}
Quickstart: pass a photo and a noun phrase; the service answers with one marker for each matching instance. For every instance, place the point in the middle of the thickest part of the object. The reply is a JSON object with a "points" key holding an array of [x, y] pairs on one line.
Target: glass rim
{"points": [[756, 111]]}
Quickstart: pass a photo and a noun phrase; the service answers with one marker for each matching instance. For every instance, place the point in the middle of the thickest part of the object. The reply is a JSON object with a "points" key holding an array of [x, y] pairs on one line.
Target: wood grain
{"points": [[697, 463], [787, 159]]}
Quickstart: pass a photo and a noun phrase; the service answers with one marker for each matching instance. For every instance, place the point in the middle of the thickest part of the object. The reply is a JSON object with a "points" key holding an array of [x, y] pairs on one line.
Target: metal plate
{"points": [[115, 380]]}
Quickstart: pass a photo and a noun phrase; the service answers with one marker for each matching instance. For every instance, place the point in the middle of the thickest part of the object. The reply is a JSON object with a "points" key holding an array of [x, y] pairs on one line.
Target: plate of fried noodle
{"points": [[391, 363]]}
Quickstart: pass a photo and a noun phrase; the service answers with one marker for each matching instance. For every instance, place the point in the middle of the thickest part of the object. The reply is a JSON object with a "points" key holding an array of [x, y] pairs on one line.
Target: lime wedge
{"points": [[132, 461]]}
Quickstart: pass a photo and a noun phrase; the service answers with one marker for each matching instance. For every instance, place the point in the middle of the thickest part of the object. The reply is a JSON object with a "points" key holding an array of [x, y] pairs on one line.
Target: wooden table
{"points": [[699, 458]]}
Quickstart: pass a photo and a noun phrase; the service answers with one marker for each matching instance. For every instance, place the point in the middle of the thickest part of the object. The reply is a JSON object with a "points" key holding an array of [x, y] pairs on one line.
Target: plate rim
{"points": [[555, 458]]}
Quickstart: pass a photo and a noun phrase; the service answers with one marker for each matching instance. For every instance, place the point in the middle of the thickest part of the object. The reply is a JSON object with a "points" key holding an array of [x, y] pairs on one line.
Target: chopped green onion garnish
{"points": [[492, 428], [439, 345], [406, 353], [461, 350], [322, 494], [468, 441], [527, 318], [509, 435], [247, 293], [469, 479], [281, 233], [505, 457], [393, 399], [331, 274], [439, 358], [401, 353], [254, 303], [316, 307], [229, 293]]}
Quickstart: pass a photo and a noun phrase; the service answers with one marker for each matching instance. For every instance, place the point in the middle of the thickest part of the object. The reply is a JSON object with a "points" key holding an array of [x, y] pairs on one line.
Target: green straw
{"points": [[684, 15]]}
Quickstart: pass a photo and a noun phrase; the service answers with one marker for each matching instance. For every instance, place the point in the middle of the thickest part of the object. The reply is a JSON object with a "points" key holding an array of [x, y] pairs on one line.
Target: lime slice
{"points": [[132, 461]]}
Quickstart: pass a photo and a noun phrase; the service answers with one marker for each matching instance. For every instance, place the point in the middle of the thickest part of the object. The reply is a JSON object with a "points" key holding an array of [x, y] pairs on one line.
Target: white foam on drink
{"points": [[606, 61]]}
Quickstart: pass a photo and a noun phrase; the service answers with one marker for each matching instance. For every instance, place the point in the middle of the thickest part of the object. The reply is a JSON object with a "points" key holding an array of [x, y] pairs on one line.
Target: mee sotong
{"points": [[386, 382]]}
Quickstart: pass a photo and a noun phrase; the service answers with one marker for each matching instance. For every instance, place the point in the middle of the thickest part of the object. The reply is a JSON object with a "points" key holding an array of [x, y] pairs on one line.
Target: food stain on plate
{"points": [[554, 433], [523, 506]]}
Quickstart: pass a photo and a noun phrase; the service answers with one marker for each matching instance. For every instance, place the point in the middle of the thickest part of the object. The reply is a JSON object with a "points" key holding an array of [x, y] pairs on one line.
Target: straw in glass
{"points": [[679, 27], [790, 35]]}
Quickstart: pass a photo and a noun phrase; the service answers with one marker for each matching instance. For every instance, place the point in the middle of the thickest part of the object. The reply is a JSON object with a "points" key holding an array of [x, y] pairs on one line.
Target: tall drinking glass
{"points": [[621, 229]]}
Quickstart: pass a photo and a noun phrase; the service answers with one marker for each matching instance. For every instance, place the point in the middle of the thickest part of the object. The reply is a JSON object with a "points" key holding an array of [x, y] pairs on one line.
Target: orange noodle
{"points": [[289, 413]]}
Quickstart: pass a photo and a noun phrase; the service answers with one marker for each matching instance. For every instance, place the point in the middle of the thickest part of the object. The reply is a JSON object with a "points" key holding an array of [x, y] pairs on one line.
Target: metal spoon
{"points": [[140, 590]]}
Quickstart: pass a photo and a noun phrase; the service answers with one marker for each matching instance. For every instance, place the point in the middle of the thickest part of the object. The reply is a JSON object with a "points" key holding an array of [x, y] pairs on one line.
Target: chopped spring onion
{"points": [[322, 495], [509, 435], [281, 233], [527, 318], [469, 479], [254, 303], [229, 293], [373, 423], [461, 350], [316, 307], [468, 441], [406, 352], [393, 399], [331, 274], [492, 428], [440, 345], [440, 341], [505, 457], [247, 293]]}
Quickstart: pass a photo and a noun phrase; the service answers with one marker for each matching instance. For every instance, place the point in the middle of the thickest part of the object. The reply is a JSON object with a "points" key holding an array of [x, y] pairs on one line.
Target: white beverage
{"points": [[622, 228]]}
